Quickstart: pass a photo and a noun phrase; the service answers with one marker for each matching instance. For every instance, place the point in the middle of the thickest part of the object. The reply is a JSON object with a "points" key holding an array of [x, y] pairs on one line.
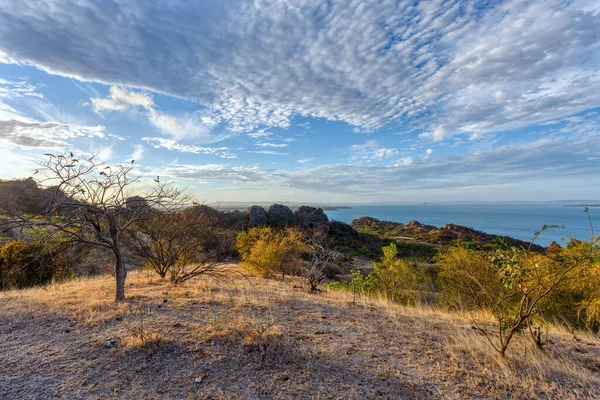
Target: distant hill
{"points": [[24, 196]]}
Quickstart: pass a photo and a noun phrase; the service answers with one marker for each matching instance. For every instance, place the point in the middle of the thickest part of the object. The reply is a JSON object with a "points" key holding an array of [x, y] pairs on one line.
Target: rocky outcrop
{"points": [[280, 216], [445, 235], [257, 216], [310, 217]]}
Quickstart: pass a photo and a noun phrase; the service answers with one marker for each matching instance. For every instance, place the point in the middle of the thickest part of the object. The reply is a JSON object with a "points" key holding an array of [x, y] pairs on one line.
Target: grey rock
{"points": [[258, 216], [310, 217], [280, 216]]}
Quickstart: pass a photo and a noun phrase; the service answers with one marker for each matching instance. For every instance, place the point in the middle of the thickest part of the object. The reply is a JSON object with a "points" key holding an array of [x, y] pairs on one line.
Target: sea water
{"points": [[519, 221]]}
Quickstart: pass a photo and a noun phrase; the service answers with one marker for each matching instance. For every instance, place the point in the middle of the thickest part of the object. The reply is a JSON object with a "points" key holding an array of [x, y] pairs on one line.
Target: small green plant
{"points": [[360, 283], [362, 251]]}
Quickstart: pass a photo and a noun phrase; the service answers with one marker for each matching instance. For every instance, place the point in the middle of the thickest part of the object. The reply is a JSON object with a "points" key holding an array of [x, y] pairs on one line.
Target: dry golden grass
{"points": [[260, 338]]}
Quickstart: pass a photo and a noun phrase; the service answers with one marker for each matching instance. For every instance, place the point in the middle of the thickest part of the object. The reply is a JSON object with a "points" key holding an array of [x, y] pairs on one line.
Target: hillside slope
{"points": [[257, 338]]}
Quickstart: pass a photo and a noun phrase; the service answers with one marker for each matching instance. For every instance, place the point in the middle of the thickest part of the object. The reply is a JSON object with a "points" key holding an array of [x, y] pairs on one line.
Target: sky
{"points": [[337, 101]]}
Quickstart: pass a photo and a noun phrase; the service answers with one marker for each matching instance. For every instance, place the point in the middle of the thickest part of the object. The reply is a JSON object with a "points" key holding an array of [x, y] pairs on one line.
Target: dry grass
{"points": [[259, 338]]}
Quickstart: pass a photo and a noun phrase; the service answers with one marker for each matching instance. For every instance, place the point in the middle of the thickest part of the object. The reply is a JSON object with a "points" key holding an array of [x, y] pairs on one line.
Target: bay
{"points": [[519, 221]]}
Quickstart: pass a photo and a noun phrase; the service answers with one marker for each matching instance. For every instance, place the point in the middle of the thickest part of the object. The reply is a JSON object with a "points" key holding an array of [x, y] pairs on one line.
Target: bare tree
{"points": [[184, 245], [89, 205], [320, 257]]}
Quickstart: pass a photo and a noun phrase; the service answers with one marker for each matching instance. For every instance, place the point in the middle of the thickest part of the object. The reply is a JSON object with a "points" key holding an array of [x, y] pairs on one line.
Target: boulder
{"points": [[310, 217], [258, 216], [280, 216], [414, 224]]}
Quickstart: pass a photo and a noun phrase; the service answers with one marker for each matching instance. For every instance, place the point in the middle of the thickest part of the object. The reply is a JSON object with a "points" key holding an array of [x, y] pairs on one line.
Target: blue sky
{"points": [[303, 101]]}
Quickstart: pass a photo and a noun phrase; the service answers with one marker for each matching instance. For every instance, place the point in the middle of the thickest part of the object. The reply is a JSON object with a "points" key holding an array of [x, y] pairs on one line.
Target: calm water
{"points": [[516, 220]]}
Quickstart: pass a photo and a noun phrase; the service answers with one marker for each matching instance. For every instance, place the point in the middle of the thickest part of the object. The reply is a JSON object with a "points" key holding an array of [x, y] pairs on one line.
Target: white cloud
{"points": [[404, 161], [104, 153], [260, 134], [138, 152], [16, 89], [272, 144], [180, 127], [120, 99], [157, 142], [213, 172], [46, 134], [306, 160], [371, 150], [269, 152], [543, 160], [448, 68], [7, 113]]}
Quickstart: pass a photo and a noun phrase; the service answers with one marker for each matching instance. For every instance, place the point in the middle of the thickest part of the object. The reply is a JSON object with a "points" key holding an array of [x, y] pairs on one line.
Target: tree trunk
{"points": [[120, 270], [120, 275]]}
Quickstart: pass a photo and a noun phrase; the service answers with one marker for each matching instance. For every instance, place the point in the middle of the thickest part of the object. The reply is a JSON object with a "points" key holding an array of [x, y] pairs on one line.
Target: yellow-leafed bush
{"points": [[269, 252], [403, 280], [466, 277], [25, 264]]}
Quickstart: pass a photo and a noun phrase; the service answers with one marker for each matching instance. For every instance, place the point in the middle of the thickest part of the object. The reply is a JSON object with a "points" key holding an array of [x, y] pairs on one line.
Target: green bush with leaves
{"points": [[361, 283], [403, 280], [269, 252]]}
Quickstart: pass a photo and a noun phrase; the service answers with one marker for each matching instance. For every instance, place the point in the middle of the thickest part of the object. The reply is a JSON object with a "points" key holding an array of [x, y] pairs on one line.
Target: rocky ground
{"points": [[263, 339]]}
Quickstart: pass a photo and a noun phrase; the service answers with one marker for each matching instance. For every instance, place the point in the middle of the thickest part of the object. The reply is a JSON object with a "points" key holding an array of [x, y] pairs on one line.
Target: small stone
{"points": [[198, 379], [112, 342]]}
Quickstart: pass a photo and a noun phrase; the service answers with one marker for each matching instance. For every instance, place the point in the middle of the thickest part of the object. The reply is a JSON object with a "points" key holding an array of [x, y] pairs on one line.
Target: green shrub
{"points": [[415, 250], [362, 251], [402, 280], [362, 283]]}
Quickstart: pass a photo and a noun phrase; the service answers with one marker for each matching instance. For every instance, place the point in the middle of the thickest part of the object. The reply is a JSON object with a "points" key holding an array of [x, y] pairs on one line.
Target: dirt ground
{"points": [[263, 339]]}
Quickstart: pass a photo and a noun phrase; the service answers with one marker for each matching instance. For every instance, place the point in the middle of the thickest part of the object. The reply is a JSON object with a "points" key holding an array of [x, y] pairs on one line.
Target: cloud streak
{"points": [[157, 142], [52, 135]]}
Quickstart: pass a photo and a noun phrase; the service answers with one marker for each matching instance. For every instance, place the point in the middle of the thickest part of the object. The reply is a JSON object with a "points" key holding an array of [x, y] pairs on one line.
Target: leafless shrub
{"points": [[185, 245], [320, 257]]}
